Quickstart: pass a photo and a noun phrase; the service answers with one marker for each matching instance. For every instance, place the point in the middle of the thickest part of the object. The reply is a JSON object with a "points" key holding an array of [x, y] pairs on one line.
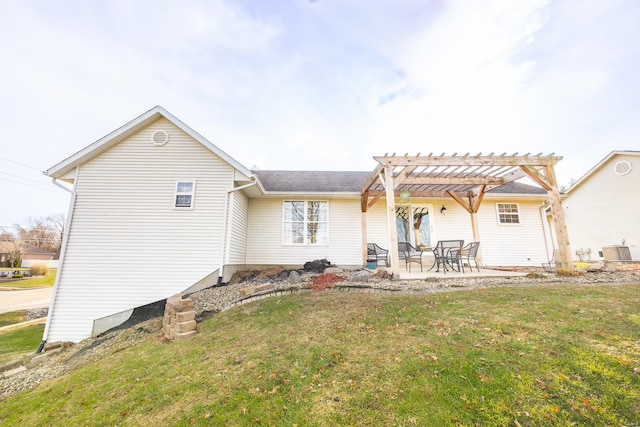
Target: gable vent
{"points": [[159, 137]]}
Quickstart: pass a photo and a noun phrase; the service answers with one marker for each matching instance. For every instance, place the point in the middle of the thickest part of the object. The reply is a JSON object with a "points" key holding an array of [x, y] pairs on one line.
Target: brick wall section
{"points": [[179, 320]]}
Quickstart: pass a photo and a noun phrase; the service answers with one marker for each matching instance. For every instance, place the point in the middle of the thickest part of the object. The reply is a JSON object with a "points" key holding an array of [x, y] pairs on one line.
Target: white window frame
{"points": [[287, 234], [180, 192], [503, 215]]}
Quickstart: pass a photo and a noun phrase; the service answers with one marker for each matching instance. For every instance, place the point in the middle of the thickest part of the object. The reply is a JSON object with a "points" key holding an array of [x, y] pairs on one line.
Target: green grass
{"points": [[32, 282], [543, 356], [13, 317], [19, 342]]}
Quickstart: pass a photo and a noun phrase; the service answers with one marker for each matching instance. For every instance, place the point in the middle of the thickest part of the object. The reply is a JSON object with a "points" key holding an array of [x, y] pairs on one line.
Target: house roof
{"points": [[517, 188], [34, 250], [599, 165], [347, 182], [125, 131], [311, 181]]}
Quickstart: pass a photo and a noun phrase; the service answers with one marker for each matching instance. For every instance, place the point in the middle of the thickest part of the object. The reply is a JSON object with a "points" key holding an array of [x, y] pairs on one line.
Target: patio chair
{"points": [[376, 253], [470, 252], [443, 256], [409, 254]]}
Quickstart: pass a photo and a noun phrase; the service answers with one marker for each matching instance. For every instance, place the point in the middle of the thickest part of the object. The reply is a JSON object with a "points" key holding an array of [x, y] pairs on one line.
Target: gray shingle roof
{"points": [[518, 188], [347, 182], [312, 181]]}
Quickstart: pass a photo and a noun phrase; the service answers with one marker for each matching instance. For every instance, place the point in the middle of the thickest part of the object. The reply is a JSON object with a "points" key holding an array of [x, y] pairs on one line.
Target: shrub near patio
{"points": [[529, 356]]}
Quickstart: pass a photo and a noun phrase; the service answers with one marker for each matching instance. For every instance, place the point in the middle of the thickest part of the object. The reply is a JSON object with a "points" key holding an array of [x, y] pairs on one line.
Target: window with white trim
{"points": [[508, 213], [185, 190], [305, 222]]}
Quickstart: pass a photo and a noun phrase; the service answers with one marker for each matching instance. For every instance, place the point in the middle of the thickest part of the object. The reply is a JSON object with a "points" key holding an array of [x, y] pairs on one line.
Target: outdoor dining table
{"points": [[443, 251]]}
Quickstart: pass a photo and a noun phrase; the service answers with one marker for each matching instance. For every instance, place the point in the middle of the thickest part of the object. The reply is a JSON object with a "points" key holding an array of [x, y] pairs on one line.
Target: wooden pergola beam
{"points": [[536, 176], [451, 180], [479, 160]]}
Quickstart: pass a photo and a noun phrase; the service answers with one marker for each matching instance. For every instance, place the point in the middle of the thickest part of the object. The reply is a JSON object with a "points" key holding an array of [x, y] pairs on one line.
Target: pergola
{"points": [[465, 179]]}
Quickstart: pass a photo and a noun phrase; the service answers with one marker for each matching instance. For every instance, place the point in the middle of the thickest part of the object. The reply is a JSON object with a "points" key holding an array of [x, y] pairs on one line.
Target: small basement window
{"points": [[508, 213], [185, 191]]}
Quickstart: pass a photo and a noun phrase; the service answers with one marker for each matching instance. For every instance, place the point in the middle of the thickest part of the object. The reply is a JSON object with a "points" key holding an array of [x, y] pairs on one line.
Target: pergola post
{"points": [[391, 221], [564, 259], [476, 237]]}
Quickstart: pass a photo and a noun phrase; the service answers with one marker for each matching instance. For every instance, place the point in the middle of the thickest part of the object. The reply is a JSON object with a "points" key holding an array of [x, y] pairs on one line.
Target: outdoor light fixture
{"points": [[443, 210], [405, 196]]}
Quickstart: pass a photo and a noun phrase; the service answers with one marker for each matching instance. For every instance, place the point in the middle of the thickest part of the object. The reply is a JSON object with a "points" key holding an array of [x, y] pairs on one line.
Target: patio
{"points": [[428, 260]]}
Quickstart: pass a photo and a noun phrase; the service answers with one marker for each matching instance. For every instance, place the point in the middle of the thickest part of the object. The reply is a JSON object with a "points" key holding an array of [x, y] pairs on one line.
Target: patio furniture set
{"points": [[448, 254]]}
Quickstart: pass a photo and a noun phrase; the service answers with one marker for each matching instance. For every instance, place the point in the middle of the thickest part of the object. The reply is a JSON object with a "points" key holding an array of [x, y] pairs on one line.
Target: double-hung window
{"points": [[305, 222], [185, 191], [508, 213]]}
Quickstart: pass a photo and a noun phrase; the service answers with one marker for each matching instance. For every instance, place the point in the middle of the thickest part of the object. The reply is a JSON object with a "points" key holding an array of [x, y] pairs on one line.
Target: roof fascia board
{"points": [[302, 194]]}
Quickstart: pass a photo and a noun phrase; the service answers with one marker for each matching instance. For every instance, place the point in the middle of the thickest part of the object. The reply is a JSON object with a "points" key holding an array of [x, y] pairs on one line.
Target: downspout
{"points": [[63, 250], [547, 233], [223, 252]]}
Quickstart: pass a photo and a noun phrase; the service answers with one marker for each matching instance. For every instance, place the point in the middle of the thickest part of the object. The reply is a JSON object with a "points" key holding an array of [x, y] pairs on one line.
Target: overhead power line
{"points": [[20, 164], [32, 185], [21, 177]]}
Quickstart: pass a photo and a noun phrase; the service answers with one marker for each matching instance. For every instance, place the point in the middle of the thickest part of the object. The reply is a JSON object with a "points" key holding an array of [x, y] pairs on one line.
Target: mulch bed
{"points": [[324, 281]]}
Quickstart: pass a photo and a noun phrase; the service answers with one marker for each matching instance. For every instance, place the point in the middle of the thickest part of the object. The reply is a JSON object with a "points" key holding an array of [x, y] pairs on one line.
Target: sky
{"points": [[316, 84]]}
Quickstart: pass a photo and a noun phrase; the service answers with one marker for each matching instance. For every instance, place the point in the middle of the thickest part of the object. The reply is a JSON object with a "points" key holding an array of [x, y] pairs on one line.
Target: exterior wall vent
{"points": [[623, 167], [160, 137]]}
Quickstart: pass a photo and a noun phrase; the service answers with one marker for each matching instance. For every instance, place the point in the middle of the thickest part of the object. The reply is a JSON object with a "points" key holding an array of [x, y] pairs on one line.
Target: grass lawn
{"points": [[529, 356], [19, 342], [13, 317], [32, 282]]}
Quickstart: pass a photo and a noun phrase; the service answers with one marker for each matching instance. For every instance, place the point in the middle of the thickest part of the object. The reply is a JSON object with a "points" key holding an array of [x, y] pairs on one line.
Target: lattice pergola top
{"points": [[455, 176]]}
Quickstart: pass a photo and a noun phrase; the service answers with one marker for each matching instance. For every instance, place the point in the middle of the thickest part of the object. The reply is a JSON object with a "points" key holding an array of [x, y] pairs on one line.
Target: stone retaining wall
{"points": [[179, 320]]}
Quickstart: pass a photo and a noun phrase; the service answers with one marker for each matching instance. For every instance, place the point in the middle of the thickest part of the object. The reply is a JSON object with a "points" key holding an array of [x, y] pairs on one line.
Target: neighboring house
{"points": [[26, 254], [32, 255], [602, 209], [156, 209]]}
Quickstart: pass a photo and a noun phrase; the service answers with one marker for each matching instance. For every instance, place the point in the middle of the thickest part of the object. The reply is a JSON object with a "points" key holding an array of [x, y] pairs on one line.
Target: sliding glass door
{"points": [[413, 224]]}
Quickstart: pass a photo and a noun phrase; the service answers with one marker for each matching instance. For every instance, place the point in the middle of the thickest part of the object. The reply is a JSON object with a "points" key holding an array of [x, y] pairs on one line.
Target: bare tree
{"points": [[43, 232]]}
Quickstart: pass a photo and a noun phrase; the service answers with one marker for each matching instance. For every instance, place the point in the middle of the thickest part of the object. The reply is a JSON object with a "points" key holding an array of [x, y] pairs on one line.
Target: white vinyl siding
{"points": [[595, 220], [238, 228], [264, 239], [521, 245], [128, 246]]}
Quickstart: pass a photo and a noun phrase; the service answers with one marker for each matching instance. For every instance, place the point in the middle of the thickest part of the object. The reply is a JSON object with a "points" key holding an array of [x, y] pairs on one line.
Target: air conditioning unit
{"points": [[616, 253]]}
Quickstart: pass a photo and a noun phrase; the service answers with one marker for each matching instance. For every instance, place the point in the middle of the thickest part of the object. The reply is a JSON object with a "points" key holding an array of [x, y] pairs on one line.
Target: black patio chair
{"points": [[376, 253], [468, 252], [409, 254]]}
